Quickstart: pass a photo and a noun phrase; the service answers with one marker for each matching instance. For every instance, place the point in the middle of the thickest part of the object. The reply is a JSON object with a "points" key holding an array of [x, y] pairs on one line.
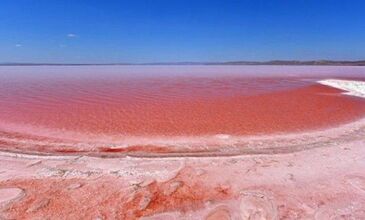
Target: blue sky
{"points": [[103, 31]]}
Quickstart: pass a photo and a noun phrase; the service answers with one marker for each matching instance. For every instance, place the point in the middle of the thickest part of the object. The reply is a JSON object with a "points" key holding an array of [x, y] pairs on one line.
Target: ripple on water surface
{"points": [[119, 104]]}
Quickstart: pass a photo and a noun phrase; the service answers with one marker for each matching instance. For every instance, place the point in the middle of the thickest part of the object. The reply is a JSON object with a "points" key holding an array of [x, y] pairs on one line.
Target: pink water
{"points": [[147, 101]]}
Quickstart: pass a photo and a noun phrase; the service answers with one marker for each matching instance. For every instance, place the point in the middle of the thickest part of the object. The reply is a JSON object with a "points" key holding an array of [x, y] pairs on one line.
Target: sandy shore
{"points": [[315, 175]]}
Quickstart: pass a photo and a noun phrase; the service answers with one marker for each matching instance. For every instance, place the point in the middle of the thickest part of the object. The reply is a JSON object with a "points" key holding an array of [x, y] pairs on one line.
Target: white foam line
{"points": [[352, 87]]}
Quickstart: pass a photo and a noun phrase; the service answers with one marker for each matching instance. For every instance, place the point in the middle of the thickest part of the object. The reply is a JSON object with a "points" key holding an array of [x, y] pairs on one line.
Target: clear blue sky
{"points": [[72, 31]]}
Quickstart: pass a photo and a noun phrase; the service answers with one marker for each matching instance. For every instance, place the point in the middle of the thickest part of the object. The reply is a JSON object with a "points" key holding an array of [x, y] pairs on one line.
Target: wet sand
{"points": [[294, 151]]}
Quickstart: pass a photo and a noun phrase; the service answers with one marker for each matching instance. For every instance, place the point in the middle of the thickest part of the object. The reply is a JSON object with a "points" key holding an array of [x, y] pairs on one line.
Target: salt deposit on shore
{"points": [[355, 88], [322, 183]]}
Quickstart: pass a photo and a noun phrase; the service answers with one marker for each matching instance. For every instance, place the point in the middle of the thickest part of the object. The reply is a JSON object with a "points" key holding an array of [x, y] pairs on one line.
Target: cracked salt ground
{"points": [[351, 209], [357, 182], [255, 205]]}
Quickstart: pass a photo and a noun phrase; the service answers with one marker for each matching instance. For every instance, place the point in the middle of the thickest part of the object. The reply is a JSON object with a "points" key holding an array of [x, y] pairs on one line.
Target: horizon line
{"points": [[239, 62]]}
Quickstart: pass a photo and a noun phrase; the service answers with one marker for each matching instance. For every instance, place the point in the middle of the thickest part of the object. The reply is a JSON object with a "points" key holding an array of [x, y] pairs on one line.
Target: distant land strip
{"points": [[272, 62]]}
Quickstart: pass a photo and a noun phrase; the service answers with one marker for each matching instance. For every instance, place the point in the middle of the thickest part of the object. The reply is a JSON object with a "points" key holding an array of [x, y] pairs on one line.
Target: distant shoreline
{"points": [[247, 63]]}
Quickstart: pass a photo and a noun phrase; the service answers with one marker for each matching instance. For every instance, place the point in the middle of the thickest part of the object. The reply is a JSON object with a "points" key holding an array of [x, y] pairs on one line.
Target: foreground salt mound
{"points": [[355, 88]]}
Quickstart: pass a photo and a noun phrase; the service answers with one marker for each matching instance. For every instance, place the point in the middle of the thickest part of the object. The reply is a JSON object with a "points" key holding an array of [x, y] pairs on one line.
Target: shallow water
{"points": [[149, 101]]}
